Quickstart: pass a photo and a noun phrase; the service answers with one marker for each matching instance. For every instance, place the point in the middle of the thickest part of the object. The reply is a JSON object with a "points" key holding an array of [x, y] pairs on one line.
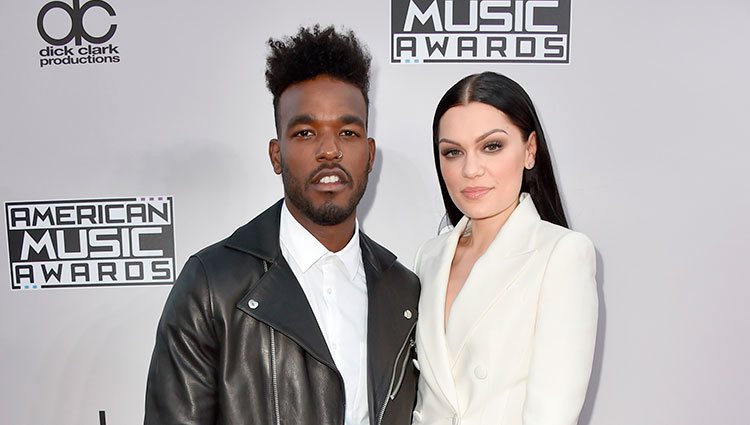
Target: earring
{"points": [[530, 165]]}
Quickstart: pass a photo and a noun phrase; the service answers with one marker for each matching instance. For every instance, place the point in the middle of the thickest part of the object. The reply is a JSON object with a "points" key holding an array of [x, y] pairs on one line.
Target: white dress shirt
{"points": [[336, 289]]}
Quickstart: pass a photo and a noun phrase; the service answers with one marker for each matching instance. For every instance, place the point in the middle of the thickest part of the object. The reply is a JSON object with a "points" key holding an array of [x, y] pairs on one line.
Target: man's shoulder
{"points": [[217, 252], [404, 272], [235, 260], [259, 237], [388, 262]]}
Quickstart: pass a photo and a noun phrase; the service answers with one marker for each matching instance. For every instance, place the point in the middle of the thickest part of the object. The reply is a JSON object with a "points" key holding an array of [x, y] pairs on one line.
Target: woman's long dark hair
{"points": [[506, 95]]}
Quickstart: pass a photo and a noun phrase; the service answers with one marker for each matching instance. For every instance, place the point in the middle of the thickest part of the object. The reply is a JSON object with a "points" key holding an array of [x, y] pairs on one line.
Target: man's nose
{"points": [[329, 148]]}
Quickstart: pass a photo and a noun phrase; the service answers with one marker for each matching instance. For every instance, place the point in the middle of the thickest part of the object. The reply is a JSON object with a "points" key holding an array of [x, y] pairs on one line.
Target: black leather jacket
{"points": [[238, 343]]}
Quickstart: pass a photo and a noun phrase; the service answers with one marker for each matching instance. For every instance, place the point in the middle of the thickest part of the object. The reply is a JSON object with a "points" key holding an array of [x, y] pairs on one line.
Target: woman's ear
{"points": [[531, 146]]}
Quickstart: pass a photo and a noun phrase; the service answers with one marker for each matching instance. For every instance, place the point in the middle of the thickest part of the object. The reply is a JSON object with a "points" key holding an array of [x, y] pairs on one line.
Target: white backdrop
{"points": [[647, 125]]}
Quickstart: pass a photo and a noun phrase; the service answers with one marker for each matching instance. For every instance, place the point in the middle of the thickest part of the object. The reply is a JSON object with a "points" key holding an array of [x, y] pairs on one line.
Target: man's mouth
{"points": [[330, 180]]}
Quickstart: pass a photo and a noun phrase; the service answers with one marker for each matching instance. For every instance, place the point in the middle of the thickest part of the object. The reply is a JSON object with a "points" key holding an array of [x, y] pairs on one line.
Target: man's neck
{"points": [[334, 237]]}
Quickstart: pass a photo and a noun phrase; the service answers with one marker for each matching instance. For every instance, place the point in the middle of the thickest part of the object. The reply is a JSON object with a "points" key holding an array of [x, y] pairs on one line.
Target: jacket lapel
{"points": [[434, 270], [493, 274], [277, 298], [388, 326]]}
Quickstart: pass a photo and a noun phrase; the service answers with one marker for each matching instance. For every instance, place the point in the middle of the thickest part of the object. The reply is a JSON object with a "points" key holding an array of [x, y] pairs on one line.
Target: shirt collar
{"points": [[306, 250]]}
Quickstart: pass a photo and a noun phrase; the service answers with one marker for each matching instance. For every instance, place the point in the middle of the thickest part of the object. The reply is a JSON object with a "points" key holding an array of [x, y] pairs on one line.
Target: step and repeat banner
{"points": [[136, 133]]}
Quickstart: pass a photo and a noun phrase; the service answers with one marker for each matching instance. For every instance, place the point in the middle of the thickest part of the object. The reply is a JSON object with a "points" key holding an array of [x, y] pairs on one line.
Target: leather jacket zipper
{"points": [[274, 373], [395, 386], [275, 378]]}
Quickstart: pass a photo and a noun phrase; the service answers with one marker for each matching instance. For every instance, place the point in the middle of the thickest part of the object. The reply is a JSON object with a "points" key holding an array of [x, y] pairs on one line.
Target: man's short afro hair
{"points": [[316, 51]]}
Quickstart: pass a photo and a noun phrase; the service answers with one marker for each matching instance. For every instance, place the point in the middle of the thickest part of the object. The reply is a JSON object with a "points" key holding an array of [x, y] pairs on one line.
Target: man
{"points": [[298, 317]]}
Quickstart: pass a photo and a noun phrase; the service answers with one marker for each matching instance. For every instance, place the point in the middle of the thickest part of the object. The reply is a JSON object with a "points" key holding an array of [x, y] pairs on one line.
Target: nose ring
{"points": [[340, 155]]}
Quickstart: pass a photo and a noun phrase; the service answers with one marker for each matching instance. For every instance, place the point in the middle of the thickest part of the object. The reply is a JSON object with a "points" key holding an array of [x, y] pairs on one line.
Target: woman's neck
{"points": [[484, 230]]}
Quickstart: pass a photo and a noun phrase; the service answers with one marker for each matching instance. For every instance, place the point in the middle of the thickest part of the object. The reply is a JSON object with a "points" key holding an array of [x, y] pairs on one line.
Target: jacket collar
{"points": [[277, 299], [259, 237], [513, 237]]}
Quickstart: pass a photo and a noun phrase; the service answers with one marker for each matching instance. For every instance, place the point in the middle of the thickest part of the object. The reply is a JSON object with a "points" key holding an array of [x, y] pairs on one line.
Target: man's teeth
{"points": [[330, 179]]}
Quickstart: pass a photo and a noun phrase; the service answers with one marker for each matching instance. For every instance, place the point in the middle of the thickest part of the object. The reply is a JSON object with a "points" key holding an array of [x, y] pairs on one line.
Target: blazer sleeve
{"points": [[565, 335], [181, 387]]}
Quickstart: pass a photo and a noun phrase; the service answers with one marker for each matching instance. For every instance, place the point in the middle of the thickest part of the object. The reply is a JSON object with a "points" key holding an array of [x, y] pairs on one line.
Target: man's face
{"points": [[323, 153]]}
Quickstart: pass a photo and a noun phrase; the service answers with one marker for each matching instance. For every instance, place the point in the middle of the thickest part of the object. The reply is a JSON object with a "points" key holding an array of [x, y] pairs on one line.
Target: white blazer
{"points": [[520, 338]]}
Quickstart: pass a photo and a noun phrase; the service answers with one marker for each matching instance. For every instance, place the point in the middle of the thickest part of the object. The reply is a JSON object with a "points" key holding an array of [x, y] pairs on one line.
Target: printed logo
{"points": [[59, 24], [82, 243], [439, 31]]}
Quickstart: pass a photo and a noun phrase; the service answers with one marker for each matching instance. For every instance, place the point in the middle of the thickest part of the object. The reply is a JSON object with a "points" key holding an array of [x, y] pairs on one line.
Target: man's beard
{"points": [[329, 213]]}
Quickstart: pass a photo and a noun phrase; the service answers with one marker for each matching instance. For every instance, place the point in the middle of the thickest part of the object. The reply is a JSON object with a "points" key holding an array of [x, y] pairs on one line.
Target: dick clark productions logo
{"points": [[487, 31], [60, 24]]}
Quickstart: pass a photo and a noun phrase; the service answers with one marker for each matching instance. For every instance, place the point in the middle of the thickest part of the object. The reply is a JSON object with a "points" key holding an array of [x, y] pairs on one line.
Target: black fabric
{"points": [[212, 361]]}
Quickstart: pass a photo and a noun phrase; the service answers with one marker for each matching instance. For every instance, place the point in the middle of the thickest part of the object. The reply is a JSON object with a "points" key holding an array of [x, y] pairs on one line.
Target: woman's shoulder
{"points": [[434, 244], [431, 248], [561, 238]]}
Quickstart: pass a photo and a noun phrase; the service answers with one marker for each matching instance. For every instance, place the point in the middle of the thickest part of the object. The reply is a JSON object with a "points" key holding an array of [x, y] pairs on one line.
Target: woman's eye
{"points": [[493, 146], [451, 153]]}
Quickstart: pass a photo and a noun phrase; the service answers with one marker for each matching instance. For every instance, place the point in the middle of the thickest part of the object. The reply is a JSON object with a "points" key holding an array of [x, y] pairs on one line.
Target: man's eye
{"points": [[451, 153], [493, 146], [349, 133], [304, 134]]}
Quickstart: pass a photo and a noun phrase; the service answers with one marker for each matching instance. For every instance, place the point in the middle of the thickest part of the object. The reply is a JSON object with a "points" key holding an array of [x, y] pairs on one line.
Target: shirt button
{"points": [[252, 304], [329, 291], [480, 372], [334, 346], [456, 420]]}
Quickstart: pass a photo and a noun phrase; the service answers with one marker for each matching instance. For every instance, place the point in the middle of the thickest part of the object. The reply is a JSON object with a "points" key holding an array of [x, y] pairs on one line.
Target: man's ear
{"points": [[371, 147], [274, 153]]}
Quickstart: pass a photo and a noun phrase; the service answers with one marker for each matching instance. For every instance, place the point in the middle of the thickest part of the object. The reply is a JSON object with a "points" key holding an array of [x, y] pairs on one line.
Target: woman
{"points": [[509, 304]]}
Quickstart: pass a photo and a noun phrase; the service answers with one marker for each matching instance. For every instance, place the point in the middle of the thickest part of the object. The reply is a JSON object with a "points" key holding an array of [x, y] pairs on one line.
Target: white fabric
{"points": [[519, 342], [336, 289]]}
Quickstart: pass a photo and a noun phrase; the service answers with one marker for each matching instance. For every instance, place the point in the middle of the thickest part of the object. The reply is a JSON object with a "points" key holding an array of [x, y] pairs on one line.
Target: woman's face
{"points": [[482, 157]]}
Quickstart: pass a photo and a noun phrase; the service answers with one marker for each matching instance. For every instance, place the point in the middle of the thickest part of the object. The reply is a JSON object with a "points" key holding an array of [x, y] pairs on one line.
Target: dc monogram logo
{"points": [[76, 14]]}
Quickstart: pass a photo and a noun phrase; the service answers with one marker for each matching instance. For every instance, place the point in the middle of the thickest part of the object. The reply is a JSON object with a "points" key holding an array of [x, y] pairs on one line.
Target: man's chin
{"points": [[329, 213], [323, 213]]}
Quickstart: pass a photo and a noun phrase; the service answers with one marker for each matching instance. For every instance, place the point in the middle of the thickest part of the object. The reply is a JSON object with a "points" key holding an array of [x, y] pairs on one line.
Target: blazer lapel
{"points": [[493, 274], [434, 270], [488, 281]]}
